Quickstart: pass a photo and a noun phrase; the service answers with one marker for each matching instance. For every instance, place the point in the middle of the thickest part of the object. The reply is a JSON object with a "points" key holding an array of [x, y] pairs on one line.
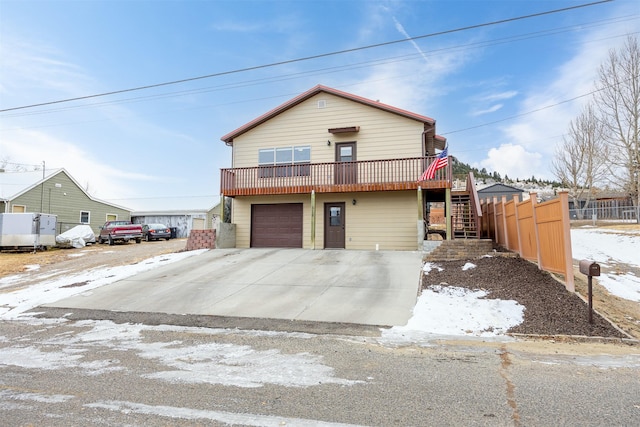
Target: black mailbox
{"points": [[589, 268]]}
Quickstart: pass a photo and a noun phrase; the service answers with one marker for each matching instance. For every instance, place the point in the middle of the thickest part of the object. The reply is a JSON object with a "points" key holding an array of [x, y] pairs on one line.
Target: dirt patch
{"points": [[549, 308], [34, 267]]}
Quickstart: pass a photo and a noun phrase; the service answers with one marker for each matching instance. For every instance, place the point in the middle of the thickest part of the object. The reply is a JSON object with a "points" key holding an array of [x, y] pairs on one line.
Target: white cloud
{"points": [[553, 104], [513, 160], [491, 109], [500, 96], [32, 147], [38, 68]]}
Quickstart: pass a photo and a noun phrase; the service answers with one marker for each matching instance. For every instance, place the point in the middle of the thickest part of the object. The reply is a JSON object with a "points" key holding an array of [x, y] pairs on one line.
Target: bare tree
{"points": [[618, 103], [579, 163]]}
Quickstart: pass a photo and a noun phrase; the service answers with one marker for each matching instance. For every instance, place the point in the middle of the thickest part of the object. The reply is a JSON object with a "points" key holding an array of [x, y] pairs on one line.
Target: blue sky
{"points": [[499, 93]]}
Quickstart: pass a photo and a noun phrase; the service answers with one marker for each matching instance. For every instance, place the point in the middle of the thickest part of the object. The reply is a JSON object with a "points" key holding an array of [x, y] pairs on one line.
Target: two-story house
{"points": [[329, 169]]}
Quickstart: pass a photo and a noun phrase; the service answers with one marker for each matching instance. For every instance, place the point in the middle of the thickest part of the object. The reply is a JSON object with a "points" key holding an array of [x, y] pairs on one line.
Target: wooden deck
{"points": [[335, 177]]}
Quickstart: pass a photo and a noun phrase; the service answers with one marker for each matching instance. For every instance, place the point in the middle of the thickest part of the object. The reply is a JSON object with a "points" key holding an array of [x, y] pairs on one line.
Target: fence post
{"points": [[504, 222], [568, 255], [496, 235], [533, 198], [515, 206]]}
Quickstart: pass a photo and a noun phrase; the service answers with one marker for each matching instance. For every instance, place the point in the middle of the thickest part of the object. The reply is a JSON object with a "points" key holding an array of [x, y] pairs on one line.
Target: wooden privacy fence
{"points": [[539, 232]]}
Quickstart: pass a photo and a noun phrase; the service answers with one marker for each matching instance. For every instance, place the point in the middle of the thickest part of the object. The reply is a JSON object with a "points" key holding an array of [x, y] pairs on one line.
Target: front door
{"points": [[346, 168], [334, 226]]}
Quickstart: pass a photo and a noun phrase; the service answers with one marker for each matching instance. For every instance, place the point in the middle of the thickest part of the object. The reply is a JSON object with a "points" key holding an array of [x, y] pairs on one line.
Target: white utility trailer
{"points": [[27, 230]]}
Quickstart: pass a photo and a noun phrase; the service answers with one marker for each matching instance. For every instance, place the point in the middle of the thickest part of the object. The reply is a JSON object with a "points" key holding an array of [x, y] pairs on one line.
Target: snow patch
{"points": [[468, 266], [452, 310]]}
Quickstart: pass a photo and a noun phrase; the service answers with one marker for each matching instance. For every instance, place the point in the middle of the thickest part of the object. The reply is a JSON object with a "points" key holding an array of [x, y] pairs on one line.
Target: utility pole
{"points": [[42, 189]]}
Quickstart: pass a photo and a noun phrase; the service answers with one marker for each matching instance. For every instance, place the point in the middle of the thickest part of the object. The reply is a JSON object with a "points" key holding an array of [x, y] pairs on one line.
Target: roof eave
{"points": [[228, 138]]}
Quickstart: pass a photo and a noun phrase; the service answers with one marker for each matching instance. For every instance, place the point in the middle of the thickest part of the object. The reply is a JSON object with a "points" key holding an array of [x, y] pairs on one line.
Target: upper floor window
{"points": [[285, 161]]}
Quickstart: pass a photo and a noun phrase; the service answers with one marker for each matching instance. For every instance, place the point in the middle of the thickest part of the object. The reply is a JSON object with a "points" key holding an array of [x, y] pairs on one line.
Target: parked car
{"points": [[156, 232], [120, 231]]}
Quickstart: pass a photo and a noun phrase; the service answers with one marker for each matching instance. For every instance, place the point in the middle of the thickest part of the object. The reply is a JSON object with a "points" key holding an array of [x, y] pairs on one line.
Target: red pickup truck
{"points": [[120, 231]]}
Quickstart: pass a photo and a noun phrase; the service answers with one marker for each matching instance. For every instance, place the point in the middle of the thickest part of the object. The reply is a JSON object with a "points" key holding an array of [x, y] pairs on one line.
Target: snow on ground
{"points": [[13, 304], [453, 310], [610, 248], [446, 311], [208, 363], [458, 311], [439, 311], [215, 363]]}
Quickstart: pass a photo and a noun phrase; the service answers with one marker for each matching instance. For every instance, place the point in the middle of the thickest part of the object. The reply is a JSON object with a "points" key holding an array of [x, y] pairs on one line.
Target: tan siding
{"points": [[382, 135], [388, 219], [241, 216]]}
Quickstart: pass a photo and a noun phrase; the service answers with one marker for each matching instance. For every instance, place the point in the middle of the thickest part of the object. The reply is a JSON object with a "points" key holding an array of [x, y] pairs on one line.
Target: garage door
{"points": [[276, 226]]}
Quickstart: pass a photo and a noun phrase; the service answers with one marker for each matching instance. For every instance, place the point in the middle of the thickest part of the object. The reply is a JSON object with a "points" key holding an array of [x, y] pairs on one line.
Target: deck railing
{"points": [[334, 177]]}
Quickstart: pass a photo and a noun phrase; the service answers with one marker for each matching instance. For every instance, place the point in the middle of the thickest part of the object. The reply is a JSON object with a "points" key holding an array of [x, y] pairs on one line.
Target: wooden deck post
{"points": [[447, 207], [313, 219], [222, 207], [420, 229]]}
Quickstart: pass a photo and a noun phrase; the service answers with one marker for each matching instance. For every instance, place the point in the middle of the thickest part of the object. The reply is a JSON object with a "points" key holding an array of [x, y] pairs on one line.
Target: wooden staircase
{"points": [[466, 211], [463, 220]]}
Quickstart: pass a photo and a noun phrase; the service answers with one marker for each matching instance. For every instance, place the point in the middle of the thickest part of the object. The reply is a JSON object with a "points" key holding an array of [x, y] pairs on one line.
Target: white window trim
{"points": [[88, 217], [13, 208], [106, 217], [293, 155]]}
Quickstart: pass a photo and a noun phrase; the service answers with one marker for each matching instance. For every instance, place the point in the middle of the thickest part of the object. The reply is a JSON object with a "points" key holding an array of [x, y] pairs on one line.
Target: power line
{"points": [[323, 55], [537, 109], [334, 69]]}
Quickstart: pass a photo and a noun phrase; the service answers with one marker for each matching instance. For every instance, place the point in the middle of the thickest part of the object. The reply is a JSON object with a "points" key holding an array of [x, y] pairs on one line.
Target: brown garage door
{"points": [[276, 226]]}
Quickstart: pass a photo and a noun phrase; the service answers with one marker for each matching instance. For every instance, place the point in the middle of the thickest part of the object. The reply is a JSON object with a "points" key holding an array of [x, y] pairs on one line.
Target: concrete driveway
{"points": [[357, 287]]}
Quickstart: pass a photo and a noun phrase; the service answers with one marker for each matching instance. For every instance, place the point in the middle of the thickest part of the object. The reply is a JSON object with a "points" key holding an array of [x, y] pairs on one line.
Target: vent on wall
{"points": [[322, 103]]}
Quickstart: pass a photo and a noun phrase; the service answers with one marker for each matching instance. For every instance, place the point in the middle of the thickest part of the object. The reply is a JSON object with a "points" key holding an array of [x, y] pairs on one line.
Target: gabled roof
{"points": [[499, 187], [15, 184], [228, 138]]}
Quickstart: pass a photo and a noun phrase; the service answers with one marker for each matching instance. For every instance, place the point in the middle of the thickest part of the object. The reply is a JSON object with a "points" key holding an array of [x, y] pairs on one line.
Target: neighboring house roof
{"points": [[176, 212], [228, 138], [15, 184], [500, 188], [603, 196]]}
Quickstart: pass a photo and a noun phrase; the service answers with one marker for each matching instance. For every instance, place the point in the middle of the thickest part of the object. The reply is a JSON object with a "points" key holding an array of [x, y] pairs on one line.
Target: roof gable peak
{"points": [[228, 138]]}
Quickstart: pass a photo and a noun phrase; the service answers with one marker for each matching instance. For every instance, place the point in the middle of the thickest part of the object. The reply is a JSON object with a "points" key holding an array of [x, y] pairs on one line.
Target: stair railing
{"points": [[474, 202]]}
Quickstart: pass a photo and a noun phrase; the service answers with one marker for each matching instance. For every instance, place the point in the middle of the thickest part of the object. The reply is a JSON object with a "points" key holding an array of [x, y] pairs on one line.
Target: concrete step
{"points": [[449, 250]]}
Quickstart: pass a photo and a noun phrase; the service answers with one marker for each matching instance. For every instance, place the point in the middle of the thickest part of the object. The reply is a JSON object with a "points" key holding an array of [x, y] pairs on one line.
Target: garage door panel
{"points": [[276, 225]]}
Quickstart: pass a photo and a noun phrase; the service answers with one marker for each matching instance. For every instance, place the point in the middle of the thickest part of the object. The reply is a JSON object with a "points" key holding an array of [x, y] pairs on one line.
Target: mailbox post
{"points": [[590, 269]]}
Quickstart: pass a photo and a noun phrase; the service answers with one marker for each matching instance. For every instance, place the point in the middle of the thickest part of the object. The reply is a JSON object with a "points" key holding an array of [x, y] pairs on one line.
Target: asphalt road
{"points": [[142, 369], [79, 373]]}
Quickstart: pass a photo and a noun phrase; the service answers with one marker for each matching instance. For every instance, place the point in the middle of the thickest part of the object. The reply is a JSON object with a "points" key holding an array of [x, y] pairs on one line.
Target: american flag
{"points": [[441, 161]]}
